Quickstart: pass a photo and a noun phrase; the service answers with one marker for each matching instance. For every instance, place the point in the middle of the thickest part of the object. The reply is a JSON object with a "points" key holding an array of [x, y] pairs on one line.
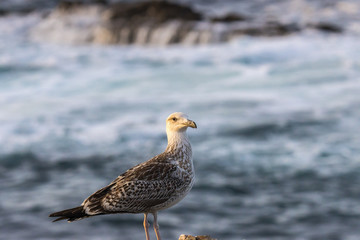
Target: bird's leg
{"points": [[156, 226], [146, 226]]}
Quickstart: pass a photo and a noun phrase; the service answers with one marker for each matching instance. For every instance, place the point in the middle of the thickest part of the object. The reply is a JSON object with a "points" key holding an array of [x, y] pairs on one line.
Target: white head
{"points": [[179, 122]]}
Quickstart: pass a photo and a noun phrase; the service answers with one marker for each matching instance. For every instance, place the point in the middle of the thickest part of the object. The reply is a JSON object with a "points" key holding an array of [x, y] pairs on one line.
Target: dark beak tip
{"points": [[193, 124]]}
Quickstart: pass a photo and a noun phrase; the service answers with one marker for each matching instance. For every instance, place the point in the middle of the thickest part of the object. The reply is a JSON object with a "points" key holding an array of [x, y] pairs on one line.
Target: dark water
{"points": [[262, 189]]}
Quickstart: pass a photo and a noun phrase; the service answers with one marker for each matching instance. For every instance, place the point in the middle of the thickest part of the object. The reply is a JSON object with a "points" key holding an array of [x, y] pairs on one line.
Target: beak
{"points": [[191, 123]]}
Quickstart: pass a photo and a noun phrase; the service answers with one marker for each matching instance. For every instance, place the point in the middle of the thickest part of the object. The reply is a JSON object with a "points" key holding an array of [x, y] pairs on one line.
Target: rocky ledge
{"points": [[152, 23], [189, 237]]}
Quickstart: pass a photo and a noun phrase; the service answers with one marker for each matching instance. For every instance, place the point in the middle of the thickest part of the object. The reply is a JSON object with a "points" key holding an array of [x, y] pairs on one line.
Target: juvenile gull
{"points": [[154, 185]]}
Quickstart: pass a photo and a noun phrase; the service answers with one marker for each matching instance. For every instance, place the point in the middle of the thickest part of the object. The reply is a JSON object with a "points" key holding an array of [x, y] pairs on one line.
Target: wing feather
{"points": [[138, 189]]}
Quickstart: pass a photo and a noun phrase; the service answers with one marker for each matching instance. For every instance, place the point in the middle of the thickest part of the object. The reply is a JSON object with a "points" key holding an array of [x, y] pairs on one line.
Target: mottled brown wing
{"points": [[137, 190], [139, 196]]}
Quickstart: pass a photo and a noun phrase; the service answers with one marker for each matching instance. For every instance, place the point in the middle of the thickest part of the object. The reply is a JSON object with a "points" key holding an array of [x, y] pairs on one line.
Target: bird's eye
{"points": [[174, 119]]}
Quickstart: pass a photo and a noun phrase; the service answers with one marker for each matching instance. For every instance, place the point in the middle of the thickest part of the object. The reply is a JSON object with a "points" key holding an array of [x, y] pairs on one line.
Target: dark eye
{"points": [[174, 119]]}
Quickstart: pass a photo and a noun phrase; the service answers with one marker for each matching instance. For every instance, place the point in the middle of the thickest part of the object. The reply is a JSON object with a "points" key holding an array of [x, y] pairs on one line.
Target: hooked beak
{"points": [[191, 123]]}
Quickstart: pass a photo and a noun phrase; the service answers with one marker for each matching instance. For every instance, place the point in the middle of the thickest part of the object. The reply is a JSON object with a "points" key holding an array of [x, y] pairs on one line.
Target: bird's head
{"points": [[179, 122]]}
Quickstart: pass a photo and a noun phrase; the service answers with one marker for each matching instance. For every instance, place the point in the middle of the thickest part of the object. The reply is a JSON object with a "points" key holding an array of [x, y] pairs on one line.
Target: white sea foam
{"points": [[93, 96]]}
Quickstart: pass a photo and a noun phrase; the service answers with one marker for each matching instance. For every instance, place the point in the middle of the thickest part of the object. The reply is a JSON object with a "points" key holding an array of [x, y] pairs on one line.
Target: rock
{"points": [[326, 27], [154, 11], [268, 29], [201, 237], [152, 23], [230, 17], [144, 23], [69, 24], [67, 6]]}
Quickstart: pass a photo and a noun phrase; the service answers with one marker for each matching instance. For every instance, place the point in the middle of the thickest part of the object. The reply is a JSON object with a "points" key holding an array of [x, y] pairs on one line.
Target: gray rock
{"points": [[154, 11], [326, 27], [151, 23], [190, 237], [230, 17]]}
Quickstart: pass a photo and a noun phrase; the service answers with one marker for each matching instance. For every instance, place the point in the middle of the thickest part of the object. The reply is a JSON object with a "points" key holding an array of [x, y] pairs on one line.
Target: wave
{"points": [[294, 128], [18, 160]]}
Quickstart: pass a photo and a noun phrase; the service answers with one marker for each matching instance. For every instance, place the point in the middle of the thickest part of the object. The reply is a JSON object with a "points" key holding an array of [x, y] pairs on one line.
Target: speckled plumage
{"points": [[151, 186]]}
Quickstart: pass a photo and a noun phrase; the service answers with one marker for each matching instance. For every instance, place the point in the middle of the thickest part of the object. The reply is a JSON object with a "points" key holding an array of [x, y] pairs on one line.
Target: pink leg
{"points": [[156, 226], [146, 226]]}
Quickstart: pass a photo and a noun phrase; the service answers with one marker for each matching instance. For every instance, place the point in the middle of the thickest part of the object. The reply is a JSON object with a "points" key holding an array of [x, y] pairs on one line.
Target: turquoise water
{"points": [[276, 151]]}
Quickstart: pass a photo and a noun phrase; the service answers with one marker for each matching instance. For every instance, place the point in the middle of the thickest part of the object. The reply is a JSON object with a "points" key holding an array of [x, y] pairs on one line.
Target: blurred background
{"points": [[274, 86]]}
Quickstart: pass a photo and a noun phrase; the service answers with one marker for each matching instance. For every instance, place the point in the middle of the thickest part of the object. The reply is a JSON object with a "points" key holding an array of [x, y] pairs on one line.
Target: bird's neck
{"points": [[178, 142], [179, 150]]}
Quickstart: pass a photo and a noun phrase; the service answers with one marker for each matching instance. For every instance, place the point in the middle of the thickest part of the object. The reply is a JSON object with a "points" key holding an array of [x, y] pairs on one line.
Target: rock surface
{"points": [[326, 27], [230, 17], [190, 237], [154, 11], [152, 23]]}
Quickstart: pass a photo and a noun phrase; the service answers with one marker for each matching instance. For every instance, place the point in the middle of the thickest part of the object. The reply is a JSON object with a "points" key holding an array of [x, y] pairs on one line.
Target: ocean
{"points": [[276, 152]]}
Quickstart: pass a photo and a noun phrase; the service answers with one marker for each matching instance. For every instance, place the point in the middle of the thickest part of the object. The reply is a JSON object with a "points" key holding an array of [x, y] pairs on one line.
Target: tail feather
{"points": [[71, 214]]}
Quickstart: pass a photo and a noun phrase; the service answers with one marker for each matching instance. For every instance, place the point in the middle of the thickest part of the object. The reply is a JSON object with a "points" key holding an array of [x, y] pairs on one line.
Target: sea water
{"points": [[276, 151]]}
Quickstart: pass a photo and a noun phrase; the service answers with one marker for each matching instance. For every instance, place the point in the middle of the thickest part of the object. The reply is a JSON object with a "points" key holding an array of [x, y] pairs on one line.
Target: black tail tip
{"points": [[59, 219], [71, 214]]}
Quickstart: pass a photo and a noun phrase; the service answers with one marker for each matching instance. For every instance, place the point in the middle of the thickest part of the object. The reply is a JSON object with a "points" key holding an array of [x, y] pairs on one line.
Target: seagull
{"points": [[149, 187]]}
